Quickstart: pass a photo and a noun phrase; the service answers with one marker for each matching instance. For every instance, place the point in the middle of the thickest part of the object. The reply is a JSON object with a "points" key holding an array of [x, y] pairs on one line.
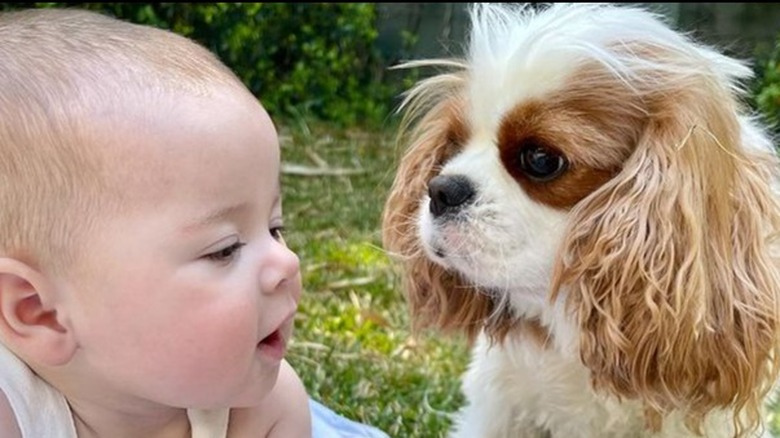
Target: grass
{"points": [[353, 347]]}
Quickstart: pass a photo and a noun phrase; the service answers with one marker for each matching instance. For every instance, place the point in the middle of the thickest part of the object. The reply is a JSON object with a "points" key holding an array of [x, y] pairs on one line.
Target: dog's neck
{"points": [[530, 316]]}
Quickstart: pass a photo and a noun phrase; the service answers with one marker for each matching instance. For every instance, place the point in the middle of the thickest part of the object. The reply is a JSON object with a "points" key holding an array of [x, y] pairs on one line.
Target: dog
{"points": [[587, 196]]}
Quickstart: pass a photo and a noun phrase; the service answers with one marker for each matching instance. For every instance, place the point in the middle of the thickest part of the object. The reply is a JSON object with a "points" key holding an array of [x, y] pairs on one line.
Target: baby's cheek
{"points": [[217, 355]]}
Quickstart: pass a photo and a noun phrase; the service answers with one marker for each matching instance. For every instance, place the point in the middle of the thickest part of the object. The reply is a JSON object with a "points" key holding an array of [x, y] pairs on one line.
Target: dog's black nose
{"points": [[448, 193]]}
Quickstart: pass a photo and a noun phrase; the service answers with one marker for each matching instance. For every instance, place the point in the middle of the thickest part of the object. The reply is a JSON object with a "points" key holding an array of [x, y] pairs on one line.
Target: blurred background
{"points": [[330, 60], [322, 71], [439, 28]]}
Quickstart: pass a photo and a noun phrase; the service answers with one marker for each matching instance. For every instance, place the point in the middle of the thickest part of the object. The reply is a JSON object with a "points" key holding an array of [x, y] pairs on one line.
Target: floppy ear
{"points": [[29, 321], [436, 297], [668, 267]]}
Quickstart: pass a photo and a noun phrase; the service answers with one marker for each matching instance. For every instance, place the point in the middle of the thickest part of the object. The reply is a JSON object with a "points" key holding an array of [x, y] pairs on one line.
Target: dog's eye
{"points": [[541, 163]]}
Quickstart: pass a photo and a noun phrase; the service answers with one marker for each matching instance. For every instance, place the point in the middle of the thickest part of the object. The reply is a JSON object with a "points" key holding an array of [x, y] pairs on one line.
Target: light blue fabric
{"points": [[327, 424]]}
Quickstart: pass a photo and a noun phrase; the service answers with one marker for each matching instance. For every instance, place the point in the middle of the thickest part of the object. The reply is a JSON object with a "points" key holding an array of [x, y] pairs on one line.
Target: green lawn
{"points": [[353, 347]]}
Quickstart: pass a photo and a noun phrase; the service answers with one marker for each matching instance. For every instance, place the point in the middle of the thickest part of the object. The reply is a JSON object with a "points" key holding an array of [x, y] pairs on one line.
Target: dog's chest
{"points": [[541, 388]]}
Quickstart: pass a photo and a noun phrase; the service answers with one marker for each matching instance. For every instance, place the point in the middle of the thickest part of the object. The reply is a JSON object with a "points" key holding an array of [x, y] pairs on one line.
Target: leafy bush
{"points": [[315, 59], [767, 94]]}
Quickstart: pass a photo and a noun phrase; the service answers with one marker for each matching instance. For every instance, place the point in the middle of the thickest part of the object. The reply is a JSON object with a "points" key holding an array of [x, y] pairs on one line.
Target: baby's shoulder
{"points": [[8, 424], [283, 413]]}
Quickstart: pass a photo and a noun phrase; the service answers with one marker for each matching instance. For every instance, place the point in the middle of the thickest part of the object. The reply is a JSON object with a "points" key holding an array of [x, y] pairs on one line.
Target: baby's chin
{"points": [[247, 393], [259, 388]]}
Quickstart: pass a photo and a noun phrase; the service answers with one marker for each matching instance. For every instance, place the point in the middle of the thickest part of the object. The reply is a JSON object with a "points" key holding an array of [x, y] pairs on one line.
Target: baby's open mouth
{"points": [[273, 345], [274, 338]]}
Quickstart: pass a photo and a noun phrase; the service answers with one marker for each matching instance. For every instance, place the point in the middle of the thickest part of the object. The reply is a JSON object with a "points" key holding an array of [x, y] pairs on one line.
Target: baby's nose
{"points": [[281, 271]]}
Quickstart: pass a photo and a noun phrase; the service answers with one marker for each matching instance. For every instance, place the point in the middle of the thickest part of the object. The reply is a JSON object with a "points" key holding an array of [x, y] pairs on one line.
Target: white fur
{"points": [[521, 391]]}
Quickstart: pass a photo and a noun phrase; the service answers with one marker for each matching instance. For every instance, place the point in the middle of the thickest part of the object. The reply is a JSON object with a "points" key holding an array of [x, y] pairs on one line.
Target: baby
{"points": [[145, 286]]}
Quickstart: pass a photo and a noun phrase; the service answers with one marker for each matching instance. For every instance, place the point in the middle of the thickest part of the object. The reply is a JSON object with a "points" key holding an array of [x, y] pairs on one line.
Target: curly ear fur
{"points": [[668, 267], [436, 297]]}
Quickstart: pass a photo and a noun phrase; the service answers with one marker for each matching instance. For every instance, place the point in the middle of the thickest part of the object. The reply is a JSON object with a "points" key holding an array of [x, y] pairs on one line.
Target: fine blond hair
{"points": [[57, 65]]}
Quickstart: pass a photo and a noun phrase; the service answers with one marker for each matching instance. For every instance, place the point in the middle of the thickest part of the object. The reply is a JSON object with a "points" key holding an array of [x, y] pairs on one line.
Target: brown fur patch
{"points": [[594, 121], [536, 333]]}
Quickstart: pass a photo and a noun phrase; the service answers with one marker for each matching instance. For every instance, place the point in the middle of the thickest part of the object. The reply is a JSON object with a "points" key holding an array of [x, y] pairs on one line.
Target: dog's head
{"points": [[588, 160]]}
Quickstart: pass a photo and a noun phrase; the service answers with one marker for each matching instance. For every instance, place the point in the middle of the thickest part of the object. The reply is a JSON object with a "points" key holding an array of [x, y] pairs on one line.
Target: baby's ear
{"points": [[29, 321]]}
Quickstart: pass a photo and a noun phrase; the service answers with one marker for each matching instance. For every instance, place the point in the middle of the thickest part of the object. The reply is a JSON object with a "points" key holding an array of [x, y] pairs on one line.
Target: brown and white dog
{"points": [[588, 197]]}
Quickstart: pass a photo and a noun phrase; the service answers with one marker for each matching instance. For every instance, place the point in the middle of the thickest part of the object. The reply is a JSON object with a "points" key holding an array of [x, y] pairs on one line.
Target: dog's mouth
{"points": [[447, 244]]}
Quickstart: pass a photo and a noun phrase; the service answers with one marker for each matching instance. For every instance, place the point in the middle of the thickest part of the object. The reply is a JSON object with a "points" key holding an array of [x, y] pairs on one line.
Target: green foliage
{"points": [[767, 93], [300, 59]]}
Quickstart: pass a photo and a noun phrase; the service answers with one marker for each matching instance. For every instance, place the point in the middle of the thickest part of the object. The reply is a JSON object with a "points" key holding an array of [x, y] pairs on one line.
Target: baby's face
{"points": [[189, 293]]}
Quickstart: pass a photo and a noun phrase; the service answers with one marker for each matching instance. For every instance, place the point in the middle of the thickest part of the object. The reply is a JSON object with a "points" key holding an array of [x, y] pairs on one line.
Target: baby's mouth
{"points": [[272, 339], [273, 345]]}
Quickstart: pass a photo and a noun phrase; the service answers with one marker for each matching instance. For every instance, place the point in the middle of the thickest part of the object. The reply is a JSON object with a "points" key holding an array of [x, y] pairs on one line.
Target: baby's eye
{"points": [[277, 233], [227, 254]]}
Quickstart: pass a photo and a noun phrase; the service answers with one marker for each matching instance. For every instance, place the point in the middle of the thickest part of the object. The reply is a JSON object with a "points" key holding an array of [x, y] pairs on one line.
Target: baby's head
{"points": [[140, 245], [60, 71]]}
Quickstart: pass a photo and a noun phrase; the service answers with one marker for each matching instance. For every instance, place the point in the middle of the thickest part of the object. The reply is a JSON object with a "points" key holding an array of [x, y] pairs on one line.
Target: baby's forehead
{"points": [[160, 140]]}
